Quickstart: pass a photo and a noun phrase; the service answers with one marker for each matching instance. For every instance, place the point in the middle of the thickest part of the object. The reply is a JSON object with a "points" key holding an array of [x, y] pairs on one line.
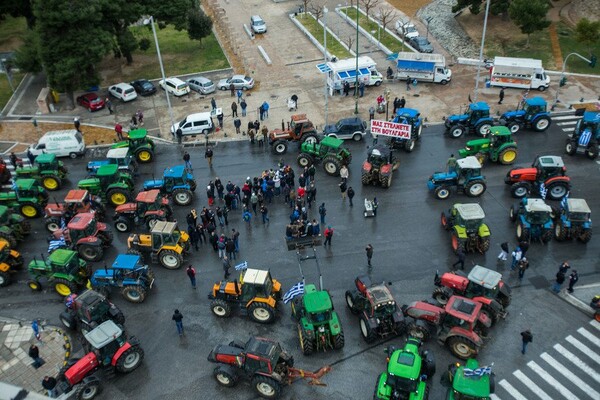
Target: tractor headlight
{"points": [[468, 148]]}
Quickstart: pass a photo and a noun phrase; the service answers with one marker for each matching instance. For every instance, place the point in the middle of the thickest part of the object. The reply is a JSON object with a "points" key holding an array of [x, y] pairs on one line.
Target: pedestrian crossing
{"points": [[568, 371], [566, 122]]}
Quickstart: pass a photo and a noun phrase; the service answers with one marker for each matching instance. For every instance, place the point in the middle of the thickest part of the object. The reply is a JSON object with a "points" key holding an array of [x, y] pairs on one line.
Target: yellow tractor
{"points": [[165, 244], [9, 261]]}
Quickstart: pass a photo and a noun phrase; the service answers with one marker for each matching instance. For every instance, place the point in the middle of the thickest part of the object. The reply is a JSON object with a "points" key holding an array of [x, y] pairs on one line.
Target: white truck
{"points": [[524, 73], [422, 67], [345, 71], [406, 29]]}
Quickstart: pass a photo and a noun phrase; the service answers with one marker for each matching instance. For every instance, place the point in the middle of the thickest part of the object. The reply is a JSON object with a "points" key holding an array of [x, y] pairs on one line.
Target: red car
{"points": [[91, 101]]}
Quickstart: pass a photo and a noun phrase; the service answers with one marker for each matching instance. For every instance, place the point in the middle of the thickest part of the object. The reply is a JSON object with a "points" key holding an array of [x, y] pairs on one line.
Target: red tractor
{"points": [[76, 201], [460, 324], [379, 167], [482, 285], [263, 362], [546, 175], [85, 235], [150, 206]]}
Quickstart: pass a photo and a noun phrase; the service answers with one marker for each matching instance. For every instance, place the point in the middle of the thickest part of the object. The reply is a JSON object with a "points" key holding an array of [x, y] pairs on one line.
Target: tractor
{"points": [[546, 175], [120, 157], [13, 227], [497, 146], [466, 382], [10, 260], [586, 135], [460, 324], [482, 285], [300, 129], [84, 235], [63, 269], [139, 145], [466, 177], [573, 221], [27, 196], [165, 244], [86, 311], [76, 201], [469, 232], [149, 207], [319, 328], [129, 273], [379, 166], [264, 362], [256, 295], [532, 114], [477, 119], [534, 220], [412, 118], [329, 150], [379, 314], [112, 186], [176, 182], [408, 370], [47, 170]]}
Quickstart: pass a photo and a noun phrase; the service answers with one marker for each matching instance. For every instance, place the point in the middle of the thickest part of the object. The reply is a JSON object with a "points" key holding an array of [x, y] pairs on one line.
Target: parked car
{"points": [[91, 101], [175, 86], [144, 87], [239, 82], [421, 44], [347, 128], [123, 91], [257, 24], [406, 29], [201, 85]]}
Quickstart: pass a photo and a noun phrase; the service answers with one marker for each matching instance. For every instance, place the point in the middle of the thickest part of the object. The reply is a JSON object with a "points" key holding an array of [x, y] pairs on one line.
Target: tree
{"points": [[386, 16], [317, 11], [19, 8], [306, 4], [27, 57], [529, 15], [369, 5], [497, 7], [587, 33], [199, 24], [173, 12], [117, 16]]}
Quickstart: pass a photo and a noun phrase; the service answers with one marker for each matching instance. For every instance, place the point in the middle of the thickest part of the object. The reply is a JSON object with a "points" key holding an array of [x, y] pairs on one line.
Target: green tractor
{"points": [[47, 170], [63, 269], [139, 145], [13, 227], [27, 196], [469, 381], [329, 150], [319, 328], [497, 146], [111, 185], [407, 373], [10, 260], [469, 232]]}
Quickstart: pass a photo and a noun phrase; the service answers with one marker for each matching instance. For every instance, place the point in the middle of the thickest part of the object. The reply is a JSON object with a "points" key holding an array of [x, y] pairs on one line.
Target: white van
{"points": [[194, 124], [60, 143], [175, 86]]}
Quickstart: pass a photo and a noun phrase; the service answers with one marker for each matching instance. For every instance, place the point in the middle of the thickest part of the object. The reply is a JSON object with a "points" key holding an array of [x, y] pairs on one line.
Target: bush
{"points": [[144, 44]]}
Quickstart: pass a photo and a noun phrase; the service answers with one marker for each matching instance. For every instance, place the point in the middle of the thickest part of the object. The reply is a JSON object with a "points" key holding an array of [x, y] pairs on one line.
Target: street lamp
{"points": [[562, 75], [487, 9], [325, 12], [162, 68]]}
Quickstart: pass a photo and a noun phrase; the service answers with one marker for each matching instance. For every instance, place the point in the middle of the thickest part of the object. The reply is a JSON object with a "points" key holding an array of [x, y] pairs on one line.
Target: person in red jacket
{"points": [[328, 235]]}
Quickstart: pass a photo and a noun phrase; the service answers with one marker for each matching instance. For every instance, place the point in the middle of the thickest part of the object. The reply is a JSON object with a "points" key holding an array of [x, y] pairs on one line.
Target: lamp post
{"points": [[356, 83], [325, 12], [562, 74], [387, 103], [487, 9], [338, 22], [428, 19], [162, 68]]}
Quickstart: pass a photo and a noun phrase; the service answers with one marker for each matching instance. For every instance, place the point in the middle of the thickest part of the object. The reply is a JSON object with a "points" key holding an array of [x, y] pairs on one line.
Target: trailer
{"points": [[422, 67], [346, 71], [522, 73]]}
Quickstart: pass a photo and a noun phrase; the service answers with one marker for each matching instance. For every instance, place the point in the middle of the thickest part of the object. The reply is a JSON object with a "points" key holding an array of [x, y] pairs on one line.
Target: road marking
{"points": [[584, 349], [566, 123], [570, 376], [511, 390], [568, 129], [551, 381], [532, 386], [578, 363], [588, 335], [593, 322], [561, 117], [494, 397]]}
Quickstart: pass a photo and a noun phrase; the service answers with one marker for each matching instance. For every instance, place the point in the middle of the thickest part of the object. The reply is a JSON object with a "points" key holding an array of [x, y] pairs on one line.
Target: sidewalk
{"points": [[15, 363], [582, 296]]}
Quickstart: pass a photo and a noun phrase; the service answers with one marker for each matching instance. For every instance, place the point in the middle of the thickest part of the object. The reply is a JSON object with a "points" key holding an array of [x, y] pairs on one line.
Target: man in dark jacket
{"points": [[49, 383], [34, 353], [526, 338], [350, 195], [369, 251], [178, 317]]}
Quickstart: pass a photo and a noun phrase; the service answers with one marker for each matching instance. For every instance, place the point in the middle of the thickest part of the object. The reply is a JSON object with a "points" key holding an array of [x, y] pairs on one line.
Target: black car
{"points": [[421, 44], [144, 87], [347, 128]]}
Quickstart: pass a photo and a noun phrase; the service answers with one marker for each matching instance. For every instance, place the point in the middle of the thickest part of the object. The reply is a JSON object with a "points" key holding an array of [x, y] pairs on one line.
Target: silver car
{"points": [[238, 81], [201, 85]]}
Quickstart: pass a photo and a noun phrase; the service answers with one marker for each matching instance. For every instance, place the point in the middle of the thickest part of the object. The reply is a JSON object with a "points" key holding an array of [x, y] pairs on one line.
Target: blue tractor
{"points": [[176, 181], [573, 221], [534, 220], [465, 177], [476, 119], [584, 139], [129, 273], [411, 117], [532, 114]]}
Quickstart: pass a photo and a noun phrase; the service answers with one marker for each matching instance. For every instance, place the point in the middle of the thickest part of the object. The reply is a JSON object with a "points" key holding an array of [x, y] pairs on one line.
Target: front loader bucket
{"points": [[314, 377]]}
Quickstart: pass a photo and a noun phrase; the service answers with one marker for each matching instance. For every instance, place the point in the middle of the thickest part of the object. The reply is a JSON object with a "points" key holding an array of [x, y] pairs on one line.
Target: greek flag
{"points": [[563, 202], [543, 190], [63, 224], [585, 137], [55, 244], [242, 266], [294, 291], [478, 371]]}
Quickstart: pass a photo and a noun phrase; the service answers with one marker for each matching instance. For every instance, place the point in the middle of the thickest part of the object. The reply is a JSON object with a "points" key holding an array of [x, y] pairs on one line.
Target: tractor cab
{"points": [[537, 212], [534, 106], [27, 188], [108, 174], [91, 306], [150, 200], [467, 169], [468, 385], [500, 135], [138, 145], [407, 116], [164, 234], [176, 176], [461, 312], [255, 283], [121, 157], [300, 123], [469, 215], [591, 123], [47, 161], [478, 111], [578, 210], [379, 155], [484, 282], [548, 167], [82, 225], [381, 303], [105, 340], [77, 198], [128, 266], [60, 261], [318, 305], [137, 138], [261, 355]]}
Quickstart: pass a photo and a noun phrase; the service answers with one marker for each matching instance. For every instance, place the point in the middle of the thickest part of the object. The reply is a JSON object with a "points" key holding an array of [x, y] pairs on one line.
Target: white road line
{"points": [[561, 117], [578, 363], [532, 386], [494, 397], [584, 349], [568, 129], [570, 376], [595, 324], [589, 336], [511, 390], [551, 381], [566, 123]]}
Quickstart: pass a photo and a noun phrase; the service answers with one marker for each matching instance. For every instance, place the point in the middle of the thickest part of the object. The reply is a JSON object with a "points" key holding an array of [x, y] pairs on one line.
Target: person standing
{"points": [[213, 104], [179, 134], [109, 105], [322, 213], [243, 105], [35, 326], [523, 265], [573, 278], [524, 245], [30, 156], [369, 251], [371, 113], [140, 116], [235, 236], [461, 259], [451, 163], [564, 267], [265, 133], [344, 173], [34, 353], [343, 189], [232, 89], [350, 195], [240, 93], [186, 159], [361, 89], [208, 154], [194, 236], [191, 273], [178, 318], [328, 235], [119, 131], [226, 267], [234, 113], [247, 216], [516, 257], [237, 123], [265, 107], [526, 338], [504, 253], [230, 249], [408, 81], [77, 124], [375, 205], [221, 246], [49, 383], [220, 119], [560, 279], [265, 214], [346, 88], [501, 96], [402, 102]]}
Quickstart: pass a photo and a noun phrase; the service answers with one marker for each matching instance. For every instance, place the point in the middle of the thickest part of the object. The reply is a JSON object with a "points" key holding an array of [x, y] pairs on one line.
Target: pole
{"points": [[162, 71], [487, 9], [562, 75], [356, 83], [325, 12]]}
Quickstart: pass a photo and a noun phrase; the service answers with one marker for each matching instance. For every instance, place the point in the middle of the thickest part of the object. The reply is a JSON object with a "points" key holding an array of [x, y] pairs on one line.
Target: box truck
{"points": [[422, 67], [524, 73], [345, 71]]}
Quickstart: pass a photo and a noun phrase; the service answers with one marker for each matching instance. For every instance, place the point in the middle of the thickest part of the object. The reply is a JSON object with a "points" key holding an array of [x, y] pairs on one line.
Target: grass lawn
{"points": [[5, 91], [568, 44], [12, 31], [333, 46], [369, 25]]}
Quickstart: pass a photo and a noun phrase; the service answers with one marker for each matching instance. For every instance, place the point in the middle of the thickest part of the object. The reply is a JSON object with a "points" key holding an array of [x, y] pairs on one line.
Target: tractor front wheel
{"points": [[224, 377], [130, 359], [170, 259], [151, 221], [332, 166], [339, 340], [87, 390], [418, 330], [592, 151], [490, 313], [444, 220], [34, 285], [455, 242], [261, 313], [484, 244], [280, 147], [571, 147], [67, 320], [483, 128], [4, 278], [560, 232], [586, 236], [386, 181], [51, 182], [367, 333], [350, 302], [462, 348], [441, 295], [134, 294], [546, 235], [123, 225], [409, 146], [475, 188], [117, 196], [457, 131], [508, 156], [519, 190], [514, 127], [220, 308], [306, 344], [513, 212], [64, 287], [305, 160], [30, 210], [365, 178], [557, 190], [90, 253], [522, 232], [310, 138], [442, 192], [182, 197], [267, 388], [144, 156]]}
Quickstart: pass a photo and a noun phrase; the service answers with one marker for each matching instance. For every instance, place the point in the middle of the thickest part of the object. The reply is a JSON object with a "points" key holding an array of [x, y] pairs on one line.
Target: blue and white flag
{"points": [[478, 371], [56, 244], [585, 137], [242, 266], [294, 291], [563, 202], [63, 224], [543, 191]]}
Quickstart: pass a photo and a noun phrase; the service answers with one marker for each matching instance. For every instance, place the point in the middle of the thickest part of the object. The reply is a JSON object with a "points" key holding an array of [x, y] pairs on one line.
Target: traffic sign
{"points": [[323, 68]]}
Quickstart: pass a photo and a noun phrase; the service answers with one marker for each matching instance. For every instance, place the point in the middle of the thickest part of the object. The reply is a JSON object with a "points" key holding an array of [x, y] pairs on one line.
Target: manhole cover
{"points": [[539, 282]]}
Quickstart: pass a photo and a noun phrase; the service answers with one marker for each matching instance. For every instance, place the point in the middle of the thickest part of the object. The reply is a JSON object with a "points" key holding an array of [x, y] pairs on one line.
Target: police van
{"points": [[66, 143]]}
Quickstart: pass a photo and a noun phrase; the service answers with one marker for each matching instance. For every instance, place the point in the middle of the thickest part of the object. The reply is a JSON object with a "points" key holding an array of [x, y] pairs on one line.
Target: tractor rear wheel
{"points": [[409, 146], [144, 155], [332, 166], [483, 128], [513, 212], [306, 345], [461, 347], [546, 235], [123, 225], [309, 138], [592, 151], [365, 178], [508, 156], [367, 333], [64, 287], [419, 131], [67, 320], [519, 190], [30, 210], [10, 238], [170, 259], [513, 126], [280, 147], [267, 388], [224, 377], [442, 192], [585, 236], [522, 232], [182, 197], [484, 244], [261, 313], [457, 131], [418, 329], [305, 160], [130, 359], [90, 253], [442, 295], [455, 242], [118, 196], [571, 147], [4, 278], [490, 312], [339, 340], [51, 182], [444, 220], [557, 190], [220, 308], [350, 302], [475, 188], [386, 181], [134, 293], [560, 232], [87, 390], [34, 285], [541, 124]]}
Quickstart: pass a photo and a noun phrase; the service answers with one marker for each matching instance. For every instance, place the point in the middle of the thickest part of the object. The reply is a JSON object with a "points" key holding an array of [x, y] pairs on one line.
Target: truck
{"points": [[423, 67], [523, 73], [342, 71]]}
